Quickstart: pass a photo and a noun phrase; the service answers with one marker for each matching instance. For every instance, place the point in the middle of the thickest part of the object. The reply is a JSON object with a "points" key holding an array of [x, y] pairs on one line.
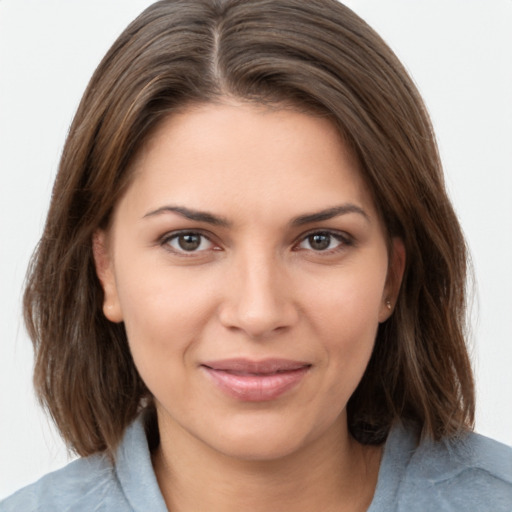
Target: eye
{"points": [[323, 241], [188, 241]]}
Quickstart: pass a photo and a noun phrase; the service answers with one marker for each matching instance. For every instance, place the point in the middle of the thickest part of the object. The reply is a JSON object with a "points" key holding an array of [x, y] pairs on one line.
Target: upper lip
{"points": [[265, 366]]}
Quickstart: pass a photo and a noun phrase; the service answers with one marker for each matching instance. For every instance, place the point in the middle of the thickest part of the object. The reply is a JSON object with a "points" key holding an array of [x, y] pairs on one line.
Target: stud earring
{"points": [[388, 304]]}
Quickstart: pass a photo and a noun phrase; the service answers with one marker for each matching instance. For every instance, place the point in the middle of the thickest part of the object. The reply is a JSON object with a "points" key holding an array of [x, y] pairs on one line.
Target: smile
{"points": [[256, 381]]}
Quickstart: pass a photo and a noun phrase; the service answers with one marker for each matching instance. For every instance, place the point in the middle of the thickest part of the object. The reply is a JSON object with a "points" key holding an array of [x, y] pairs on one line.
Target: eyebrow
{"points": [[196, 215], [301, 220], [329, 213]]}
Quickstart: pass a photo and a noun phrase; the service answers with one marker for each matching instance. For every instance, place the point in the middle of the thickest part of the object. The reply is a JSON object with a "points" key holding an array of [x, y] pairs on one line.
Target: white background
{"points": [[460, 55]]}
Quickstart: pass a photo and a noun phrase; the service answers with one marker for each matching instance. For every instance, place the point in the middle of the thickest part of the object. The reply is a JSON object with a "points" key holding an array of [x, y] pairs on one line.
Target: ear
{"points": [[105, 272], [396, 269]]}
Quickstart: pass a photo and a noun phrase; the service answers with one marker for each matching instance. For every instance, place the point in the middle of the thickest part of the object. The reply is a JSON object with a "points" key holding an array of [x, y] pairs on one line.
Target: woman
{"points": [[250, 290]]}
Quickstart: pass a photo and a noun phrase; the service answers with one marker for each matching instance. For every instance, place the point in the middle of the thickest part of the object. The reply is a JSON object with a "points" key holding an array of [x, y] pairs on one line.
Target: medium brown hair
{"points": [[316, 55]]}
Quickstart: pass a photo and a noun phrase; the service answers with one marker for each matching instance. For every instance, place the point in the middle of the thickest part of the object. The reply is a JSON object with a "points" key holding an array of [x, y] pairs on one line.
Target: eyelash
{"points": [[170, 237], [344, 240]]}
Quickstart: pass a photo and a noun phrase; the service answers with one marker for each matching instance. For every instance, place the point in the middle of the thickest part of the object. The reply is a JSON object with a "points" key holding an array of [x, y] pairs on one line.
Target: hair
{"points": [[317, 56]]}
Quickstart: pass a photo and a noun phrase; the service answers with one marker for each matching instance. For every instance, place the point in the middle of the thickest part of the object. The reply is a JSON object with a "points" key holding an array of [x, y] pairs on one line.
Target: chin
{"points": [[258, 448], [264, 439]]}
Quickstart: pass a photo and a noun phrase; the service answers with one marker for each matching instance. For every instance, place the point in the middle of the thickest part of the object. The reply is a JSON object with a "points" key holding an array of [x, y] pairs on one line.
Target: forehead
{"points": [[218, 155]]}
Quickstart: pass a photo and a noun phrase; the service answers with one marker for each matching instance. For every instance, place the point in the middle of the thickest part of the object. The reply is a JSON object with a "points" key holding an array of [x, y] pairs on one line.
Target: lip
{"points": [[256, 381]]}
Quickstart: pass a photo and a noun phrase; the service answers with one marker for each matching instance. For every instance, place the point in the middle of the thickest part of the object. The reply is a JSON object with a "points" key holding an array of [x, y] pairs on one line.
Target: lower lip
{"points": [[256, 387]]}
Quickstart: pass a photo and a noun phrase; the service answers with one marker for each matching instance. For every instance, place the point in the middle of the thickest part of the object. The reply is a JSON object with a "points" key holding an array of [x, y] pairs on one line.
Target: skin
{"points": [[257, 286]]}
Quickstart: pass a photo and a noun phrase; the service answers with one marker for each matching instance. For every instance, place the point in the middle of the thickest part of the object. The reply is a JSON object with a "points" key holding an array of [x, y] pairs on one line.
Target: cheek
{"points": [[349, 300], [345, 315], [163, 314]]}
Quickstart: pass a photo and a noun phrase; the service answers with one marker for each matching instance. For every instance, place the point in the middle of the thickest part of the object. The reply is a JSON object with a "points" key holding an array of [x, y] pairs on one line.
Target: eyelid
{"points": [[345, 239], [171, 235]]}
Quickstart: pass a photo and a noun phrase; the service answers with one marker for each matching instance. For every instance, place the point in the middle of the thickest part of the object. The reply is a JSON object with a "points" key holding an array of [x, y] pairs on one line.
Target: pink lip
{"points": [[256, 381]]}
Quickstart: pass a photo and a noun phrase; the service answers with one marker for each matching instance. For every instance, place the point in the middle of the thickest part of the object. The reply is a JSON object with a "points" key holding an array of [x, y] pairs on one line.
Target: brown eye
{"points": [[324, 241], [189, 242], [319, 241]]}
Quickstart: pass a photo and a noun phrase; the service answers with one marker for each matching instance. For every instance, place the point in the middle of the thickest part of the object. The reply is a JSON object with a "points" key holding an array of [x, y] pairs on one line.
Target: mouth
{"points": [[256, 381]]}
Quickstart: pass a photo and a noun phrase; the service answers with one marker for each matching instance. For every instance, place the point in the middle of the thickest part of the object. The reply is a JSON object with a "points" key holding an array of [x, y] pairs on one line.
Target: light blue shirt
{"points": [[473, 474]]}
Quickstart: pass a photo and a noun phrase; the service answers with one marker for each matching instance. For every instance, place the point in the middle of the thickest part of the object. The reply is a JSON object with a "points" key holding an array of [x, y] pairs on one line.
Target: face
{"points": [[251, 270]]}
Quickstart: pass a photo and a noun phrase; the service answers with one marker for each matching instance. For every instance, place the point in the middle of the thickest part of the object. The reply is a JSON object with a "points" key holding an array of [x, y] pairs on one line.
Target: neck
{"points": [[333, 473]]}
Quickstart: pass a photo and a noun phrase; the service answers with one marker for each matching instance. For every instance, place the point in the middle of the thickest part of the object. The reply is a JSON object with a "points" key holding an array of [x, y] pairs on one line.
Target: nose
{"points": [[258, 298]]}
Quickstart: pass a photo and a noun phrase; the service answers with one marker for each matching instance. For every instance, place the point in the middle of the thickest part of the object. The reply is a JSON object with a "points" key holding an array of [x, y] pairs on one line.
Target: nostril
{"points": [[257, 322]]}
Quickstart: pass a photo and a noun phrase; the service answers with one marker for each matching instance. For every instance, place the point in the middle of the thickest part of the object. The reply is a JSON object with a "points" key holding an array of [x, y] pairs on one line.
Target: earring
{"points": [[388, 304]]}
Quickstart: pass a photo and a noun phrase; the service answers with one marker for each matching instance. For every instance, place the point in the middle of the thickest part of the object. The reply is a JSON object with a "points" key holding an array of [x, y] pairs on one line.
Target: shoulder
{"points": [[96, 483], [471, 472], [470, 453], [85, 484]]}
